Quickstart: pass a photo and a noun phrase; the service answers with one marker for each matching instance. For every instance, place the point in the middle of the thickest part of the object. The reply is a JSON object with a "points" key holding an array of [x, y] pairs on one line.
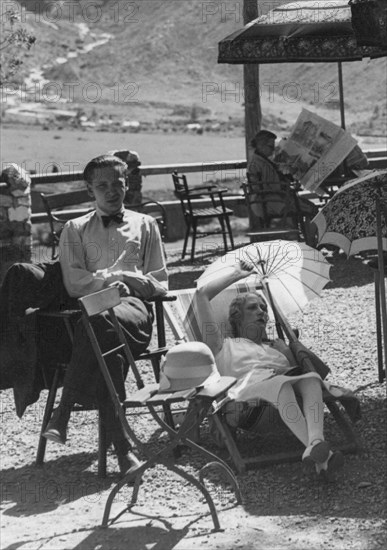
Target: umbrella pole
{"points": [[341, 94], [382, 288], [281, 322], [278, 320]]}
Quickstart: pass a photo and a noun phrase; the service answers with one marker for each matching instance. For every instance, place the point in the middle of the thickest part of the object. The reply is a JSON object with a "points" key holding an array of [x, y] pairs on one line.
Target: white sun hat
{"points": [[188, 365]]}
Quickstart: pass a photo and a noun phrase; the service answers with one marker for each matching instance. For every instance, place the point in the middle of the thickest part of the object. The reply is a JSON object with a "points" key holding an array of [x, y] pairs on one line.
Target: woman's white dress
{"points": [[258, 369]]}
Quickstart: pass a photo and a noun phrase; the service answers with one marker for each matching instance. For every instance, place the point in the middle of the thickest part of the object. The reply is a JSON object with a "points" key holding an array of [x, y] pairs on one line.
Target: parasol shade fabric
{"points": [[296, 273], [318, 31], [348, 220]]}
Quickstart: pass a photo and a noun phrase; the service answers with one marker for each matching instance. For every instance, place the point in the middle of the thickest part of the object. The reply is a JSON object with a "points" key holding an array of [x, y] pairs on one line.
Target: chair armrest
{"points": [[194, 193], [217, 389], [60, 314], [206, 190], [157, 353], [219, 191], [204, 187], [141, 396], [165, 298]]}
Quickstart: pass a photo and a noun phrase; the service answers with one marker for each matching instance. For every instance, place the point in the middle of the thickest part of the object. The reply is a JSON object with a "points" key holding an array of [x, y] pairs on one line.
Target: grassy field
{"points": [[36, 149]]}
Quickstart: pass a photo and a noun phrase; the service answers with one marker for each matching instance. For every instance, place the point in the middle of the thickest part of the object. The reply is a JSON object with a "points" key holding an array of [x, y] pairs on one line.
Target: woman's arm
{"points": [[211, 331]]}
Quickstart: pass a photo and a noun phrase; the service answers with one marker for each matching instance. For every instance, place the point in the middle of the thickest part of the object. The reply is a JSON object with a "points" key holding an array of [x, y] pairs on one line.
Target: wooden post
{"points": [[253, 114]]}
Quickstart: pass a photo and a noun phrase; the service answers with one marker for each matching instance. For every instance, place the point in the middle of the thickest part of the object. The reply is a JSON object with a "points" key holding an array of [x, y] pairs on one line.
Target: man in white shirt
{"points": [[110, 246]]}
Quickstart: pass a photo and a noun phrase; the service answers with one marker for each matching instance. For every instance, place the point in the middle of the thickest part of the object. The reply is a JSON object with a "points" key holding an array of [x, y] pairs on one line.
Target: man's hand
{"points": [[122, 288]]}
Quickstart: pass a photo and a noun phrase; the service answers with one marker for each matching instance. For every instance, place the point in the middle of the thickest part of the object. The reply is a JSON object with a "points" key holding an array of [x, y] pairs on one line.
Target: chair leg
{"points": [[186, 239], [353, 445], [46, 417], [194, 229], [102, 448], [221, 221], [228, 439], [227, 219]]}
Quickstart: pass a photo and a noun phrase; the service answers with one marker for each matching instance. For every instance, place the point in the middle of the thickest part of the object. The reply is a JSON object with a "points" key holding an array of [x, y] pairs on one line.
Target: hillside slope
{"points": [[165, 52]]}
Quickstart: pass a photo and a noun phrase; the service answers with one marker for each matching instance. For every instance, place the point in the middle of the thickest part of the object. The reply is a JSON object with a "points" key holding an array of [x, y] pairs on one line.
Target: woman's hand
{"points": [[283, 348], [246, 268], [279, 345]]}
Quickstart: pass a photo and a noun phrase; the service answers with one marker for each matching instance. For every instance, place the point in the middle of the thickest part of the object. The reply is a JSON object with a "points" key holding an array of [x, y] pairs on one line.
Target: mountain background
{"points": [[159, 63]]}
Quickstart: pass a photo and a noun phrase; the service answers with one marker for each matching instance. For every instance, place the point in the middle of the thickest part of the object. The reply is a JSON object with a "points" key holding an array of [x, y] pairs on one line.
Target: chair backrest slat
{"points": [[180, 184], [96, 303], [182, 192]]}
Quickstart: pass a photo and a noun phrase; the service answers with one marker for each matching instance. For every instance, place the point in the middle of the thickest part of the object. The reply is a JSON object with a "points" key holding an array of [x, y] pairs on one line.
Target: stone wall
{"points": [[15, 217]]}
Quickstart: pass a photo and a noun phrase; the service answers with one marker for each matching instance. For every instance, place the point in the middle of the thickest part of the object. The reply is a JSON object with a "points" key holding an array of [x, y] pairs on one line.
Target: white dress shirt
{"points": [[91, 255]]}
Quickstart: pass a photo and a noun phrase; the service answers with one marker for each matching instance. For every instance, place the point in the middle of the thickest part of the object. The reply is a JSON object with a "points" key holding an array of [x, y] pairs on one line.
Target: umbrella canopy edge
{"points": [[300, 50]]}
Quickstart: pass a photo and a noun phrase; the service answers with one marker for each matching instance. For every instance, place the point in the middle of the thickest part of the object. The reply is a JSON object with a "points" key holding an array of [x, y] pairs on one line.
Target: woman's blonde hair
{"points": [[235, 312]]}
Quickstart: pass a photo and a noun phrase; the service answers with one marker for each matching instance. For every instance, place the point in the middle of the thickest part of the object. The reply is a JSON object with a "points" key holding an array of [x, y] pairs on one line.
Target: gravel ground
{"points": [[60, 506]]}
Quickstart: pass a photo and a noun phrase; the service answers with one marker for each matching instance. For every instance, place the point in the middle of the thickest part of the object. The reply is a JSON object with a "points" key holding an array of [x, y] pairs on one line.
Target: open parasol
{"points": [[290, 274], [355, 220]]}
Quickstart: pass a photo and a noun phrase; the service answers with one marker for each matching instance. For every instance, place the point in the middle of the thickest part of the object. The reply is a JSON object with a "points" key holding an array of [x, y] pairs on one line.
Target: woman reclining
{"points": [[263, 370]]}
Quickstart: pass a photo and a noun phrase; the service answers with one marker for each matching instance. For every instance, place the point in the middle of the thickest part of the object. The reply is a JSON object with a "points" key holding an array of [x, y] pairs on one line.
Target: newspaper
{"points": [[314, 149]]}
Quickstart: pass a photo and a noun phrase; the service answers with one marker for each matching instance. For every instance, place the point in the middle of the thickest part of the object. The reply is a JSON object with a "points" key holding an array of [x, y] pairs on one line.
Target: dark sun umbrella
{"points": [[318, 31], [355, 220]]}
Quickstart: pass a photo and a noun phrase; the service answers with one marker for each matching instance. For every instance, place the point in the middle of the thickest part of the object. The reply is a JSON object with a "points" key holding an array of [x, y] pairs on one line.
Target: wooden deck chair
{"points": [[54, 373], [264, 227], [148, 396], [185, 322], [194, 215]]}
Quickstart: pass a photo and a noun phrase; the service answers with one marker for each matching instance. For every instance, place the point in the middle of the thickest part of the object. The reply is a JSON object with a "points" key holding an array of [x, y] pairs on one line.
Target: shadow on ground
{"points": [[348, 272], [34, 490]]}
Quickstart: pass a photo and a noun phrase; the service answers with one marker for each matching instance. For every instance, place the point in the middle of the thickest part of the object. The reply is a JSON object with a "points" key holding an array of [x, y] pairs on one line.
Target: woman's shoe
{"points": [[317, 452]]}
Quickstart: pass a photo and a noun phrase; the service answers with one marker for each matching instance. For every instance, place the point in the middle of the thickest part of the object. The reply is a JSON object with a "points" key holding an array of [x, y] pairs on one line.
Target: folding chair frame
{"points": [[194, 214], [68, 317], [200, 405], [256, 195], [351, 444]]}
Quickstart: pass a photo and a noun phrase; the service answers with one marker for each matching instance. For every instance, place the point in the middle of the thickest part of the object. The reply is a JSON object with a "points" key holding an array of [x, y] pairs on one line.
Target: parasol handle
{"points": [[277, 318], [278, 315], [266, 288], [305, 361], [379, 210]]}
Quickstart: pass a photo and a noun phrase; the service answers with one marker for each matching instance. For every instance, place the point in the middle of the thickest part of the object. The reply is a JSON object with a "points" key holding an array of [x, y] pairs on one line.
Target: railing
{"points": [[377, 159], [151, 170]]}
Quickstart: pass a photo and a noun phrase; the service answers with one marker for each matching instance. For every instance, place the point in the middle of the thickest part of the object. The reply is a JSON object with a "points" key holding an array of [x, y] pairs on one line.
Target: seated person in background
{"points": [[264, 175], [262, 369], [110, 246]]}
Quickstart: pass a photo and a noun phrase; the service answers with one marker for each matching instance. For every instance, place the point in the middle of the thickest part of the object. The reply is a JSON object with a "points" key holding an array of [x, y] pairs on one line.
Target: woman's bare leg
{"points": [[313, 408], [291, 413]]}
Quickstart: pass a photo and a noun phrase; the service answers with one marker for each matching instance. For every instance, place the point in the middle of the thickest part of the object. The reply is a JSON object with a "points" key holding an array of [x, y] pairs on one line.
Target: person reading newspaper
{"points": [[264, 175]]}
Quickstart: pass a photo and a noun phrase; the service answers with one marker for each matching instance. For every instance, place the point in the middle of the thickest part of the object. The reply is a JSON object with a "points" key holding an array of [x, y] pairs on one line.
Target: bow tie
{"points": [[113, 218]]}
